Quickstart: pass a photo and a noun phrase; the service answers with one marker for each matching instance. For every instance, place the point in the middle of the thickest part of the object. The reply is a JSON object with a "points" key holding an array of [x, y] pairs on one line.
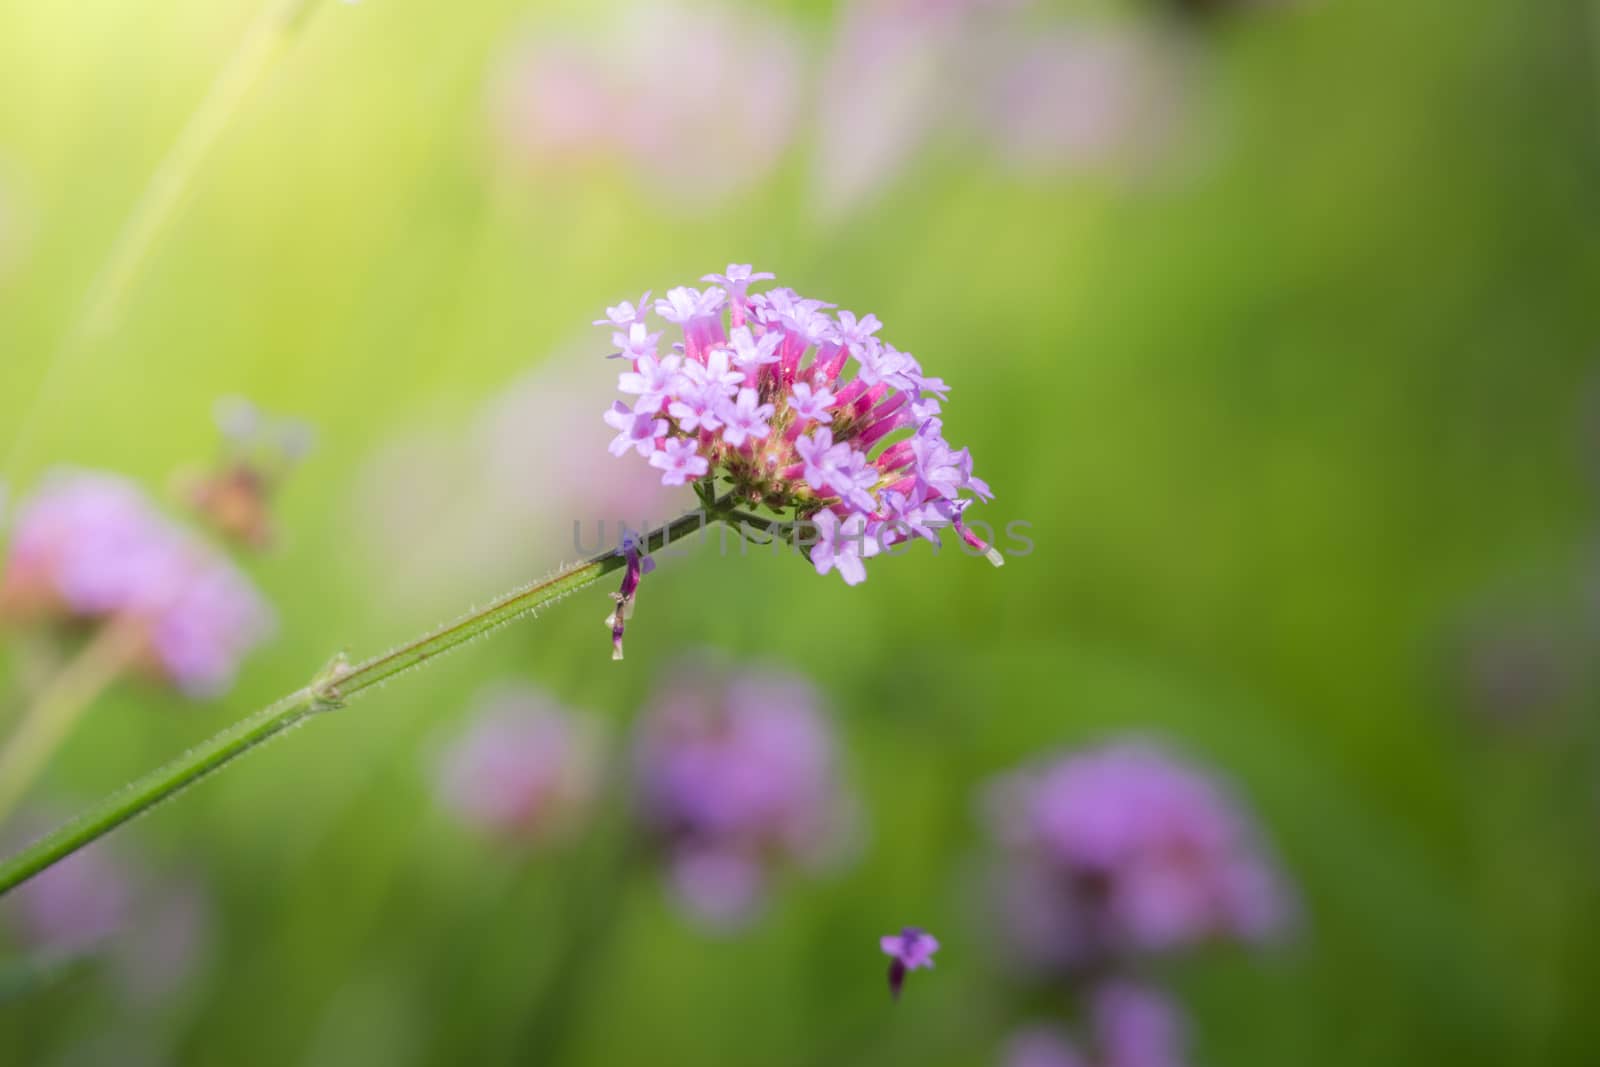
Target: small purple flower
{"points": [[910, 950], [734, 776], [679, 461], [843, 544], [626, 315], [636, 343], [1124, 850], [637, 567], [811, 405], [737, 278], [750, 354], [635, 432], [745, 419], [652, 381], [821, 457], [526, 767]]}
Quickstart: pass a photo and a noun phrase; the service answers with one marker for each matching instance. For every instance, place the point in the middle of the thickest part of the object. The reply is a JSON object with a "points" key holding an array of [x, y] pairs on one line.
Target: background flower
{"points": [[736, 776], [524, 767], [90, 547], [1124, 850]]}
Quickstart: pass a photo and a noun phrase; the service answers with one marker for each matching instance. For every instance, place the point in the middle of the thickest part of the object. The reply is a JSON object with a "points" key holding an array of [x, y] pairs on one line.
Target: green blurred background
{"points": [[1293, 417]]}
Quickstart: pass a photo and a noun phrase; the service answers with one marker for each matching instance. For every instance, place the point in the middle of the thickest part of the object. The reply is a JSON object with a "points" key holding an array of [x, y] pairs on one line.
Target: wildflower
{"points": [[90, 547], [525, 767], [909, 950], [1125, 850], [762, 399], [1128, 1026], [735, 776], [637, 567], [680, 460], [636, 433]]}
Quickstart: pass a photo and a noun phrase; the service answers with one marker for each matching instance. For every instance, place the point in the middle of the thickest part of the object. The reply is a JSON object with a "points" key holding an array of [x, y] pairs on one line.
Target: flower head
{"points": [[1128, 1026], [90, 547], [525, 767], [1125, 850], [910, 950], [799, 411], [734, 776]]}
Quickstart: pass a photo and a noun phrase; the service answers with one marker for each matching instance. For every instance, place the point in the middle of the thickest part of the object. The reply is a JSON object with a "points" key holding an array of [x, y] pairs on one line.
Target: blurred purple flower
{"points": [[91, 547], [735, 775], [1125, 849], [910, 950], [436, 508], [987, 84], [525, 766], [1128, 1026], [700, 102], [884, 91], [1041, 1046], [152, 929], [1075, 98]]}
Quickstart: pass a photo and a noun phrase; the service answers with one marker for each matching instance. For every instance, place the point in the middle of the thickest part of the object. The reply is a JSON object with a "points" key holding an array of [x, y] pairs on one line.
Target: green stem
{"points": [[333, 688], [51, 717]]}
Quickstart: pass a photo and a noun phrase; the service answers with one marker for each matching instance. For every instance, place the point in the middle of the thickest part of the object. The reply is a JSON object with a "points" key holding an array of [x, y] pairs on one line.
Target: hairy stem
{"points": [[338, 683]]}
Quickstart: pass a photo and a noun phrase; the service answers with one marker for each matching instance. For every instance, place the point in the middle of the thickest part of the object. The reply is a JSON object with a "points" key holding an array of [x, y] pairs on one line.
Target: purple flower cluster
{"points": [[1129, 1026], [1125, 850], [735, 775], [797, 409], [525, 767], [91, 547]]}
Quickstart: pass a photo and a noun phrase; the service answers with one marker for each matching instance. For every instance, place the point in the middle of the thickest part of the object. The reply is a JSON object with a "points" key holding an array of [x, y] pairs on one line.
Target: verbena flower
{"points": [[525, 767], [797, 410], [910, 950], [736, 776], [1124, 850], [91, 547], [1127, 1026]]}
